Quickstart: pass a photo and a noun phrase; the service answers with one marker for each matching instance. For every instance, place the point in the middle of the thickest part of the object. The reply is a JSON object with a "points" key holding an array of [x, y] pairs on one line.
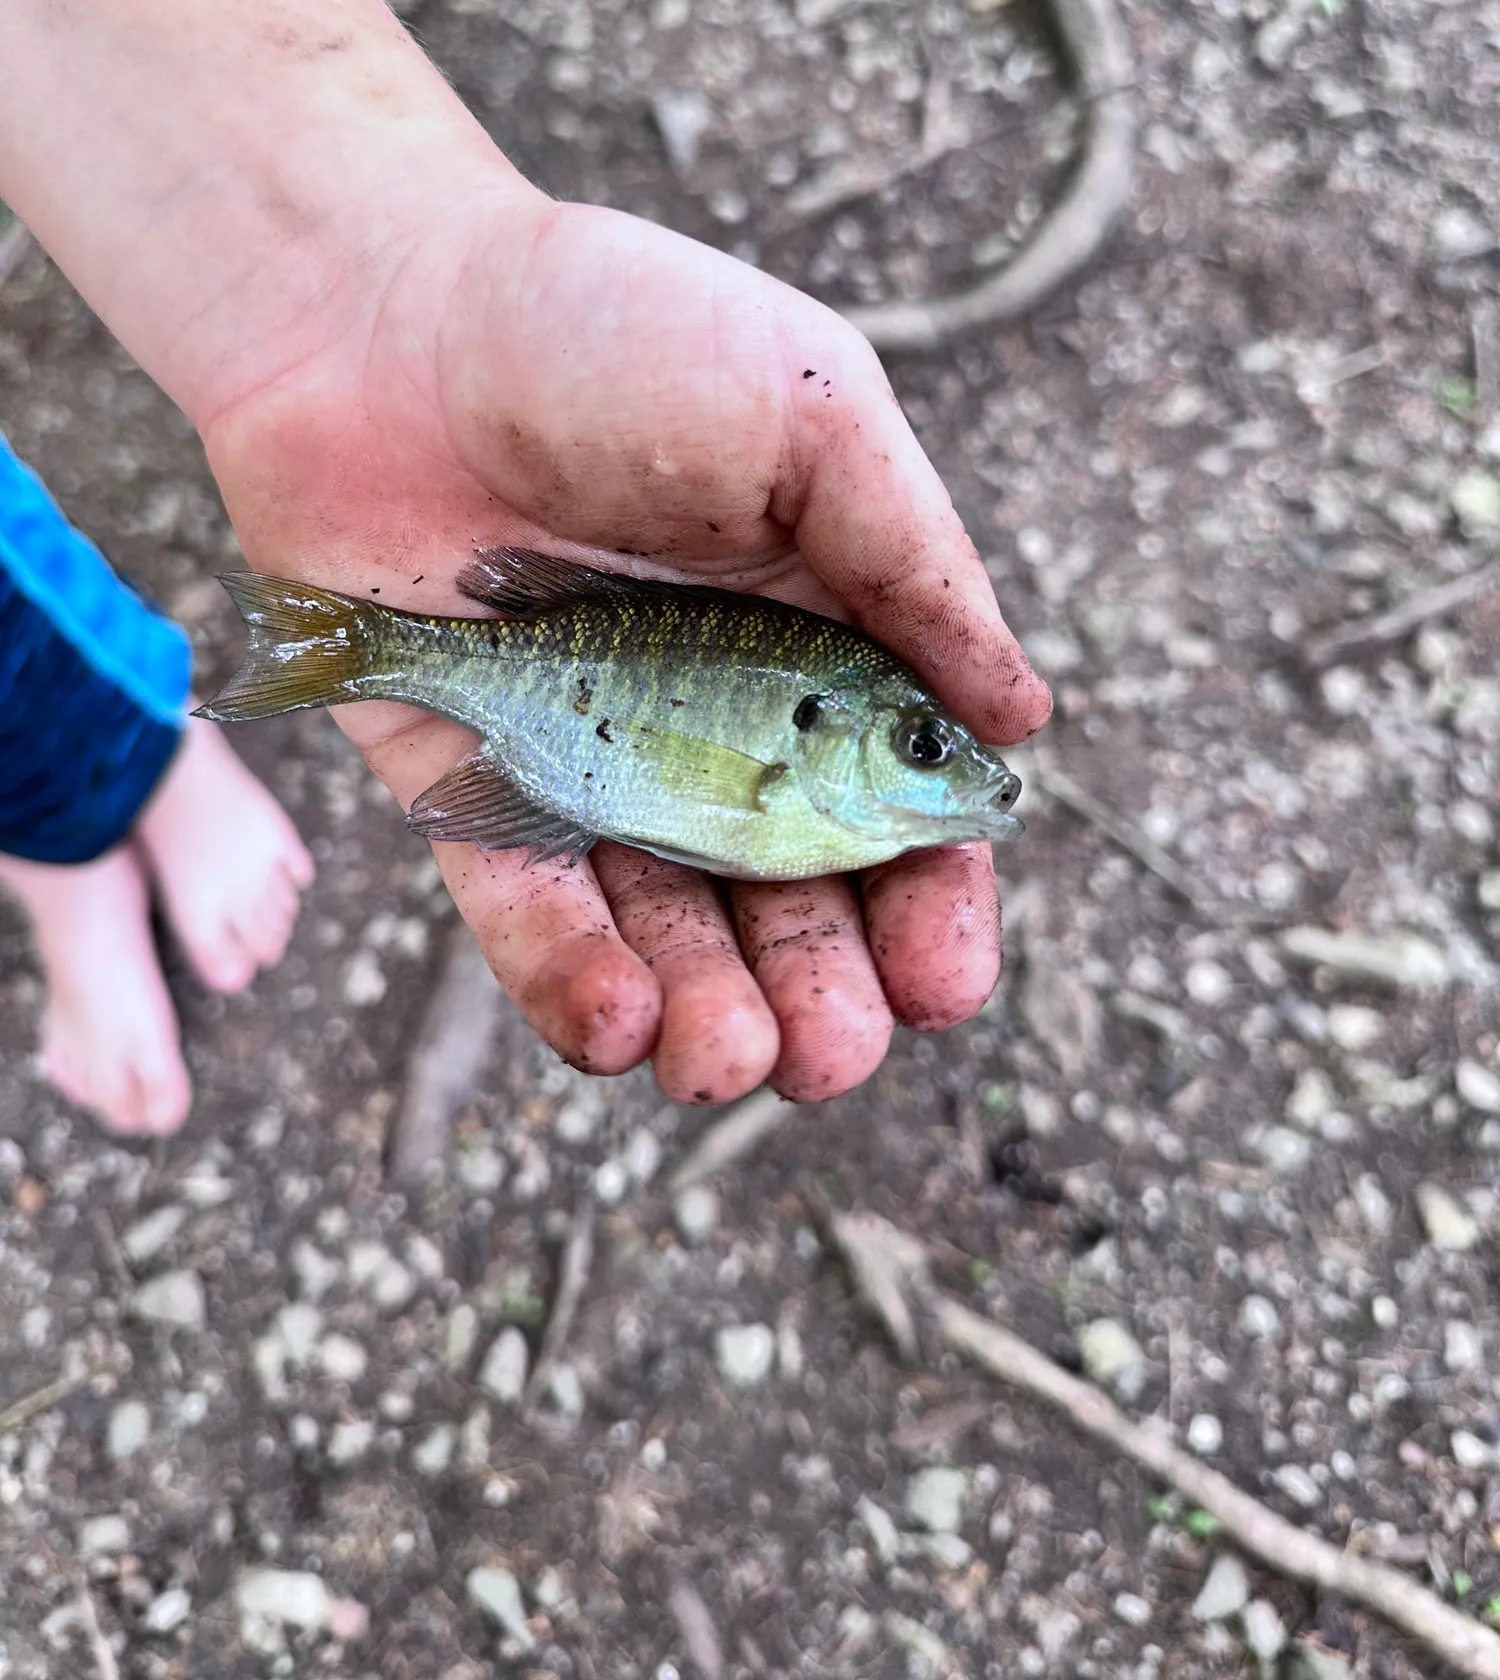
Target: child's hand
{"points": [[579, 381]]}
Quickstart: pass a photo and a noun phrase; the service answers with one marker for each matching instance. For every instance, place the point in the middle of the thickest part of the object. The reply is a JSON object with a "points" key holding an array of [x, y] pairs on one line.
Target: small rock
{"points": [[298, 1598], [498, 1594], [1374, 1205], [175, 1299], [1448, 1223], [313, 1270], [1459, 236], [1258, 1317], [1312, 1097], [682, 116], [1478, 1087], [268, 1361], [103, 1535], [1476, 500], [425, 1258], [1113, 1357], [882, 1530], [1403, 961], [745, 1353], [1469, 1452], [434, 1452], [935, 1498], [149, 1236], [565, 1390], [474, 1438], [947, 1551], [1385, 1312], [1298, 1485], [128, 1431], [1283, 1150], [348, 1442], [696, 1212], [1488, 890], [341, 1358], [459, 1336], [1205, 1434], [929, 1656], [167, 1611], [611, 1181], [1463, 1349], [1264, 1633], [1133, 1609], [1312, 1662], [503, 1374], [373, 1268], [1225, 1590], [480, 1168], [299, 1324], [364, 979], [1208, 983], [1277, 36], [1354, 1027]]}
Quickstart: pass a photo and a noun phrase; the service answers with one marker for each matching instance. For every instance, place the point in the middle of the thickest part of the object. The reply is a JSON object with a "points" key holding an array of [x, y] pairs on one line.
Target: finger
{"points": [[805, 944], [933, 922], [719, 1038], [873, 519], [544, 928]]}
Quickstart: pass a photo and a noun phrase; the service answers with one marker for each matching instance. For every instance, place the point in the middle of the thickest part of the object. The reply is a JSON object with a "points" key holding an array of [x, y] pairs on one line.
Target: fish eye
{"points": [[923, 742], [1009, 789], [808, 711]]}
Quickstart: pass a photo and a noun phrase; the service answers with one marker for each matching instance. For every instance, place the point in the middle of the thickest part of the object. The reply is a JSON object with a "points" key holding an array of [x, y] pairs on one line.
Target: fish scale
{"points": [[672, 717]]}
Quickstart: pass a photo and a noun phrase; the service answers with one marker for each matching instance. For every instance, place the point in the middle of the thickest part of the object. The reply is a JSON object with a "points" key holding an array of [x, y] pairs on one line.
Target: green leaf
{"points": [[1161, 1507], [1201, 1523], [1459, 396], [1463, 1584]]}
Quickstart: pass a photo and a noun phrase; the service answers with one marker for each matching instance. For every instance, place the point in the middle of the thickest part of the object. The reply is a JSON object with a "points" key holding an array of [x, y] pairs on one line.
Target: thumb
{"points": [[874, 522]]}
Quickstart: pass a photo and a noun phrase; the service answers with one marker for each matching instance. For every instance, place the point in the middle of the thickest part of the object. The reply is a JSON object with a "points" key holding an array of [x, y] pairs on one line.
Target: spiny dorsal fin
{"points": [[522, 583]]}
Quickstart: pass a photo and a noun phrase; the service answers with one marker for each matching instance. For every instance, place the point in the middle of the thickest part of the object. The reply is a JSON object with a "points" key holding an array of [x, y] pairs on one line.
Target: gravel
{"points": [[745, 1353], [1225, 1590], [935, 1498], [503, 1374], [174, 1300], [1448, 1223]]}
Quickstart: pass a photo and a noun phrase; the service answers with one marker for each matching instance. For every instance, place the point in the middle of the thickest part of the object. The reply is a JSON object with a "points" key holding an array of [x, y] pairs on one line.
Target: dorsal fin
{"points": [[522, 583]]}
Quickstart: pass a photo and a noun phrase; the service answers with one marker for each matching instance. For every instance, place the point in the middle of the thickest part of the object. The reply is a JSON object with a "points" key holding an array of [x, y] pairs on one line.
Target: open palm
{"points": [[570, 379]]}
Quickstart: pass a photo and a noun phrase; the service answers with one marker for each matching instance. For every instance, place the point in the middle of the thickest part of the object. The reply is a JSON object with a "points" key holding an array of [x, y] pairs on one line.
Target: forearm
{"points": [[221, 179]]}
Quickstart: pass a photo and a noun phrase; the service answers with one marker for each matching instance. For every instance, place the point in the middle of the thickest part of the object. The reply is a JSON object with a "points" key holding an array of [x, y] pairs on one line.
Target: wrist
{"points": [[233, 187]]}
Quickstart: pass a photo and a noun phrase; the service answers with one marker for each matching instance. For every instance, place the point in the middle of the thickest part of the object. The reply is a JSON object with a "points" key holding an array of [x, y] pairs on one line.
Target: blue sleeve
{"points": [[92, 684]]}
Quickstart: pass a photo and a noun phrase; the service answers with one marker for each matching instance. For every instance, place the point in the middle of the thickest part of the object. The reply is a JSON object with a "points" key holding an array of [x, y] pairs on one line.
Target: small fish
{"points": [[741, 735]]}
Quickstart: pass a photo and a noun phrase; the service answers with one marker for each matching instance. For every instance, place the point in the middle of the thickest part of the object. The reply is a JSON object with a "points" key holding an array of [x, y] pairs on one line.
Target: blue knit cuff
{"points": [[92, 684]]}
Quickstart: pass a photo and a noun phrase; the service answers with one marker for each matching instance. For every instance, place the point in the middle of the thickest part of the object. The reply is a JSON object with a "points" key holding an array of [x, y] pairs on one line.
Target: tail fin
{"points": [[308, 647]]}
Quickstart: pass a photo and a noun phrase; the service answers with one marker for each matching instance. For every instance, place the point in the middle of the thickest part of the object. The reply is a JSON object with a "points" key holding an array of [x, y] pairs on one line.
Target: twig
{"points": [[572, 1280], [15, 242], [734, 1135], [452, 1046], [1417, 608], [99, 1647], [42, 1400], [1124, 833], [695, 1624], [1078, 224], [1470, 1647]]}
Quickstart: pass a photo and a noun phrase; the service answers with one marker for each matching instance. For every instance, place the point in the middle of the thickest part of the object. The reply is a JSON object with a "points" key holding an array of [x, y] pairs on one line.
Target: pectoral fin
{"points": [[477, 801], [701, 770]]}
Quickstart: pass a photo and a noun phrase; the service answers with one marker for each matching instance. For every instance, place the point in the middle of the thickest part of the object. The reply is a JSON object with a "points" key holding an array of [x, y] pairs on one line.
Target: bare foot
{"points": [[226, 861], [109, 1036]]}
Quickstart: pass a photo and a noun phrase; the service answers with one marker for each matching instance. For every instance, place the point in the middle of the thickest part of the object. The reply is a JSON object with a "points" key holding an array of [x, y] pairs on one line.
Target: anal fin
{"points": [[476, 801]]}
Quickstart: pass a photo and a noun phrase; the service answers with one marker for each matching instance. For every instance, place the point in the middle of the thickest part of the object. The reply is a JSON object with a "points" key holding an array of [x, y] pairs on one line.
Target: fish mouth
{"points": [[995, 814]]}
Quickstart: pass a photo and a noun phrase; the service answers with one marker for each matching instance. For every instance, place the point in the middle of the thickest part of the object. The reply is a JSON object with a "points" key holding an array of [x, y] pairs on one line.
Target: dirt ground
{"points": [[1271, 407]]}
